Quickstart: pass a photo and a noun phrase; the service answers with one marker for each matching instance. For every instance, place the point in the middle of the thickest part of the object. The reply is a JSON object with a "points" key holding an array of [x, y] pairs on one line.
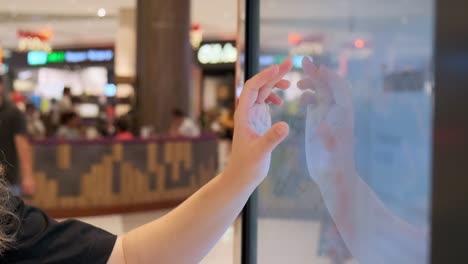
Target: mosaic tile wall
{"points": [[89, 175]]}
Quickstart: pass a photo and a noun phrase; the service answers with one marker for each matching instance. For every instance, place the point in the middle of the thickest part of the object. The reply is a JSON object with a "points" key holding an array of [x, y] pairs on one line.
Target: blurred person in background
{"points": [[122, 129], [226, 120], [182, 125], [15, 150], [69, 126], [52, 121], [204, 120], [60, 107], [35, 126], [226, 126], [65, 104]]}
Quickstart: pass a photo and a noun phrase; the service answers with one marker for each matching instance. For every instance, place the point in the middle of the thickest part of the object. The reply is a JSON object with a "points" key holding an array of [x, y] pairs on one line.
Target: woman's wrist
{"points": [[239, 179]]}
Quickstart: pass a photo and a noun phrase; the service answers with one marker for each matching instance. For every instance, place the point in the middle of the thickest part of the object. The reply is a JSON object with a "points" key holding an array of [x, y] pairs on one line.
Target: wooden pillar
{"points": [[163, 61]]}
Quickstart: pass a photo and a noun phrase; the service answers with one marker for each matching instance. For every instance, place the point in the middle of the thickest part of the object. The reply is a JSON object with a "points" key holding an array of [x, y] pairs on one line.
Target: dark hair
{"points": [[9, 220], [67, 117], [178, 113], [66, 90], [30, 106], [122, 124]]}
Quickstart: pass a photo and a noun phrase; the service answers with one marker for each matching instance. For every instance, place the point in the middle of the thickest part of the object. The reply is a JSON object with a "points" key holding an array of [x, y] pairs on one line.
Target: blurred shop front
{"points": [[115, 71], [215, 62], [215, 75], [99, 174], [88, 72]]}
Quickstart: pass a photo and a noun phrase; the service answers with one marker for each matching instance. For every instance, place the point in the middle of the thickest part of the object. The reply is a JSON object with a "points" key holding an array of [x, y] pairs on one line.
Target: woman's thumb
{"points": [[273, 137]]}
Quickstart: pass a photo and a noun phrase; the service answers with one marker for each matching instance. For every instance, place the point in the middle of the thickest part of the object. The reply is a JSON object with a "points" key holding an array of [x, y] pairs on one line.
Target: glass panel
{"points": [[351, 184]]}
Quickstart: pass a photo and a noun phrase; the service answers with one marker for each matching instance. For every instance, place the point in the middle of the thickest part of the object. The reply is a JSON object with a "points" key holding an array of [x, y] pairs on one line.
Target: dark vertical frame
{"points": [[252, 49], [450, 134]]}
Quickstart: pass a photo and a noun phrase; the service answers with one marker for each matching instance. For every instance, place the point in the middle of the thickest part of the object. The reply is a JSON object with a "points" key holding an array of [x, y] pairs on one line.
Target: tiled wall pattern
{"points": [[90, 175]]}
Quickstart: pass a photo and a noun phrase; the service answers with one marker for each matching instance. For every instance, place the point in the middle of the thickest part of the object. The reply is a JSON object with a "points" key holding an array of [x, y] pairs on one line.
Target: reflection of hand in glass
{"points": [[372, 233], [329, 120]]}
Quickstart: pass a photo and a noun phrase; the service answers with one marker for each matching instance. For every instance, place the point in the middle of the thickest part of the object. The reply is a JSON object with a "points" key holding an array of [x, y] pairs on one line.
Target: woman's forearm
{"points": [[187, 234]]}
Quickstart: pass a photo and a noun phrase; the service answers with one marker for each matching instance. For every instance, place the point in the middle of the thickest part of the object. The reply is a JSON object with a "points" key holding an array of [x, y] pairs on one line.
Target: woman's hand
{"points": [[254, 137]]}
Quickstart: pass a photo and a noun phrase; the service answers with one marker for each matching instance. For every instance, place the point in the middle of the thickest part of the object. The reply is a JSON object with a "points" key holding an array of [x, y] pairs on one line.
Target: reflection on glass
{"points": [[351, 184], [371, 231]]}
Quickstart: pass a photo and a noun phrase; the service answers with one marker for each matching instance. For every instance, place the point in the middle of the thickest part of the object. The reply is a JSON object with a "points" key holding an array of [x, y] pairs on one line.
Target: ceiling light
{"points": [[101, 12]]}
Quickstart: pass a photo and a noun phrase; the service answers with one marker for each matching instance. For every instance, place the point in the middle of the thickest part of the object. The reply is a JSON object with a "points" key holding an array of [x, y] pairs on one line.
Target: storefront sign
{"points": [[37, 58], [56, 57], [277, 59], [34, 40], [217, 53], [196, 36], [266, 60], [93, 55], [100, 55], [76, 56]]}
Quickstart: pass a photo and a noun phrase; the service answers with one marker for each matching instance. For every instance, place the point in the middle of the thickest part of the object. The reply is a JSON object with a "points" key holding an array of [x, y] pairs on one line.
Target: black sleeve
{"points": [[19, 123], [41, 239]]}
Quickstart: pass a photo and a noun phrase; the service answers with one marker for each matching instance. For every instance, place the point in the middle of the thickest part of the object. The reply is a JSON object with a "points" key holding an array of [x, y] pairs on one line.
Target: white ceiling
{"points": [[74, 22]]}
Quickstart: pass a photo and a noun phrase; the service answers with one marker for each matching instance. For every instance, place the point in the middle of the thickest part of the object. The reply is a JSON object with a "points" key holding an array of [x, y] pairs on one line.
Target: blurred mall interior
{"points": [[129, 109]]}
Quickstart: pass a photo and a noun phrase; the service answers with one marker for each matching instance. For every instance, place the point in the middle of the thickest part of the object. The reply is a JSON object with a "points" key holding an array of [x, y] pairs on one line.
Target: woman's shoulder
{"points": [[39, 236]]}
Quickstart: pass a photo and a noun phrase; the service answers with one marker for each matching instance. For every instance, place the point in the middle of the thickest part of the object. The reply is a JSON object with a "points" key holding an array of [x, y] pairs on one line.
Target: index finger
{"points": [[266, 89], [252, 86]]}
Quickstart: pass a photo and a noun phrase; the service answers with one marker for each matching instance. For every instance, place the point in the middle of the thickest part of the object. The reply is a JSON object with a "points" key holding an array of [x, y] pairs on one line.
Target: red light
{"points": [[294, 38], [43, 35], [196, 27], [359, 43]]}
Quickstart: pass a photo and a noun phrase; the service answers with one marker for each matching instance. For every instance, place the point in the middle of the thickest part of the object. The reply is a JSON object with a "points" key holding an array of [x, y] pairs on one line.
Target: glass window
{"points": [[351, 184]]}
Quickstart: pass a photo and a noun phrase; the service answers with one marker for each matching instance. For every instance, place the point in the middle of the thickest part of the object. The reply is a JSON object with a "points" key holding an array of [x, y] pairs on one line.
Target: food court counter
{"points": [[80, 178]]}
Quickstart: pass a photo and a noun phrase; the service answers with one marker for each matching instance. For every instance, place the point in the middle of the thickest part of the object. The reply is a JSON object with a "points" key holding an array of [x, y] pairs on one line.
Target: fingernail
{"points": [[275, 68], [281, 130]]}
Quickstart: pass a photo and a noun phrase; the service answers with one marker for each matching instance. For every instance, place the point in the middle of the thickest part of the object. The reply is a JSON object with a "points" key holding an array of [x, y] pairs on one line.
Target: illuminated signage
{"points": [[297, 60], [93, 55], [76, 56], [100, 55], [37, 58], [110, 90], [217, 53], [36, 44], [267, 60], [34, 40], [56, 57], [89, 55]]}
